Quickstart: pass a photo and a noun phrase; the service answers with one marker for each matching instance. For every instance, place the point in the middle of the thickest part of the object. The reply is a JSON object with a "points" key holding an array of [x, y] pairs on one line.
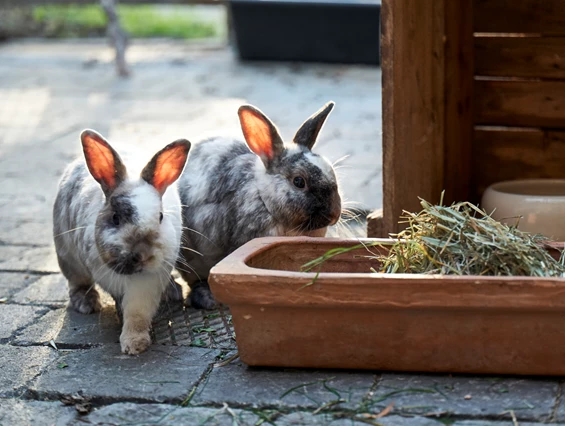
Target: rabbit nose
{"points": [[136, 258]]}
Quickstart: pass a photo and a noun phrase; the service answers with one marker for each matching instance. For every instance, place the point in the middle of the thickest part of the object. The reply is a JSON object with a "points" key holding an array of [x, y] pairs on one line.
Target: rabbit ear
{"points": [[308, 132], [103, 161], [260, 133], [166, 166]]}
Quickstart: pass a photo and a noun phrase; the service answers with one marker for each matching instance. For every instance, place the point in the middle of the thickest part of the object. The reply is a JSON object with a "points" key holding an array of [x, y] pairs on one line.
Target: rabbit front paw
{"points": [[85, 300], [133, 343], [201, 297]]}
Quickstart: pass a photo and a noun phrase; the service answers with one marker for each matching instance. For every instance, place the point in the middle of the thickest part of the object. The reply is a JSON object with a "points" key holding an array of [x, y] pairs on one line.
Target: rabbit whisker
{"points": [[184, 270], [339, 160], [192, 250], [90, 288], [298, 228], [181, 260], [343, 166], [196, 232], [69, 231], [350, 203]]}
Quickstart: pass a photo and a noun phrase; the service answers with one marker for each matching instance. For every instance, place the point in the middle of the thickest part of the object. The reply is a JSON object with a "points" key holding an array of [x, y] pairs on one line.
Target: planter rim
{"points": [[234, 282], [240, 257]]}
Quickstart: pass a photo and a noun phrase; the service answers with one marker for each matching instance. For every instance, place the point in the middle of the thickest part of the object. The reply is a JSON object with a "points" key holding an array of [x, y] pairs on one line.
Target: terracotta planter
{"points": [[353, 319]]}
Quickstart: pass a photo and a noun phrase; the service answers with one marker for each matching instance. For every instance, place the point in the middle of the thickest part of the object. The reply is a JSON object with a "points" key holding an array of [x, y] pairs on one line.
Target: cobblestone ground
{"points": [[59, 367]]}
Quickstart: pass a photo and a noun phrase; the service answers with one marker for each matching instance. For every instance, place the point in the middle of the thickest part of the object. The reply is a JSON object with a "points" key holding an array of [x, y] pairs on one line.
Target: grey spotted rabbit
{"points": [[233, 191], [119, 231]]}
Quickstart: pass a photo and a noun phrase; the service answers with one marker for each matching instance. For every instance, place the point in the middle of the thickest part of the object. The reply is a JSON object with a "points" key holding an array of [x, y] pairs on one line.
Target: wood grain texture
{"points": [[528, 57], [459, 71], [520, 103], [413, 105], [505, 154], [427, 52], [523, 16]]}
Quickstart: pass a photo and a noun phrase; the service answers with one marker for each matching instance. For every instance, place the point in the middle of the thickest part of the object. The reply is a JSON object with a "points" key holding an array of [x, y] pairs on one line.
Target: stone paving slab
{"points": [[21, 412], [47, 290], [24, 259], [12, 282], [22, 207], [174, 325], [14, 412], [175, 415], [163, 414], [161, 374], [530, 399], [70, 329], [20, 365], [560, 411], [22, 231], [497, 423], [240, 385], [10, 252], [14, 317], [304, 418]]}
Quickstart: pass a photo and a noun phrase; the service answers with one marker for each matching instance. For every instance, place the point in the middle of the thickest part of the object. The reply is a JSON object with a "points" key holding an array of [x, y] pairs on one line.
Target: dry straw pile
{"points": [[458, 240]]}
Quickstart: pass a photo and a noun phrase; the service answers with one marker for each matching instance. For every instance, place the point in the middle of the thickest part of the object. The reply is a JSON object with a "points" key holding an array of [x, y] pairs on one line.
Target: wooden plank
{"points": [[522, 16], [504, 154], [427, 51], [528, 57], [459, 71], [520, 103], [413, 105]]}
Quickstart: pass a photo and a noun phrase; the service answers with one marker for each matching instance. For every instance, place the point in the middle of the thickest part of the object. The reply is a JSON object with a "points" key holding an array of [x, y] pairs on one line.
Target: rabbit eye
{"points": [[116, 219], [299, 182], [160, 217]]}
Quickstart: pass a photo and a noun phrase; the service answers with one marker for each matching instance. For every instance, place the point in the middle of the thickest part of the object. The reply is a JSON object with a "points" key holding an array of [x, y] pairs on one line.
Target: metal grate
{"points": [[176, 324]]}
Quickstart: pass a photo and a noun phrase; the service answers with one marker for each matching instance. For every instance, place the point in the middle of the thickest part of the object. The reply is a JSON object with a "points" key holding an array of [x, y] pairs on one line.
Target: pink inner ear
{"points": [[100, 160], [169, 167], [257, 133]]}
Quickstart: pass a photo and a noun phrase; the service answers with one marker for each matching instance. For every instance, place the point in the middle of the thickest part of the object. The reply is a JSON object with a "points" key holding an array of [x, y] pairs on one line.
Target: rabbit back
{"points": [[222, 206], [77, 204]]}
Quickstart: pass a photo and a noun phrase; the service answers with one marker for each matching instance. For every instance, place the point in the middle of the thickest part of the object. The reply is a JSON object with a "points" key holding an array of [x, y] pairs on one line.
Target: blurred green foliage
{"points": [[138, 21]]}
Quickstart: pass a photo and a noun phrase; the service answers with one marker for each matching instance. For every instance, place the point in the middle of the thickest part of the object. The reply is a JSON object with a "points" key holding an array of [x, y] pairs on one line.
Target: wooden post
{"points": [[427, 50]]}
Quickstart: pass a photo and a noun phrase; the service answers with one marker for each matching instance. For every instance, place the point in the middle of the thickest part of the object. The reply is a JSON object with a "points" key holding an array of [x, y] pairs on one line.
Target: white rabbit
{"points": [[121, 232]]}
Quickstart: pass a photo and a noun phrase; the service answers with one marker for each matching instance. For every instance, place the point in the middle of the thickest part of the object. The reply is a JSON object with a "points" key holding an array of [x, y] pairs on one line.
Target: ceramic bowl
{"points": [[539, 203]]}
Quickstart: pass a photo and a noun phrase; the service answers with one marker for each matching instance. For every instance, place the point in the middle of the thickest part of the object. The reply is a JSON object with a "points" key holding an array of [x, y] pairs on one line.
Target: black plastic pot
{"points": [[345, 31]]}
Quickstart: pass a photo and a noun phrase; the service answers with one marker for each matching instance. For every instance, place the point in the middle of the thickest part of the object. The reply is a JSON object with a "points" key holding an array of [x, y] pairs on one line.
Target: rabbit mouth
{"points": [[316, 223], [127, 269], [128, 265]]}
